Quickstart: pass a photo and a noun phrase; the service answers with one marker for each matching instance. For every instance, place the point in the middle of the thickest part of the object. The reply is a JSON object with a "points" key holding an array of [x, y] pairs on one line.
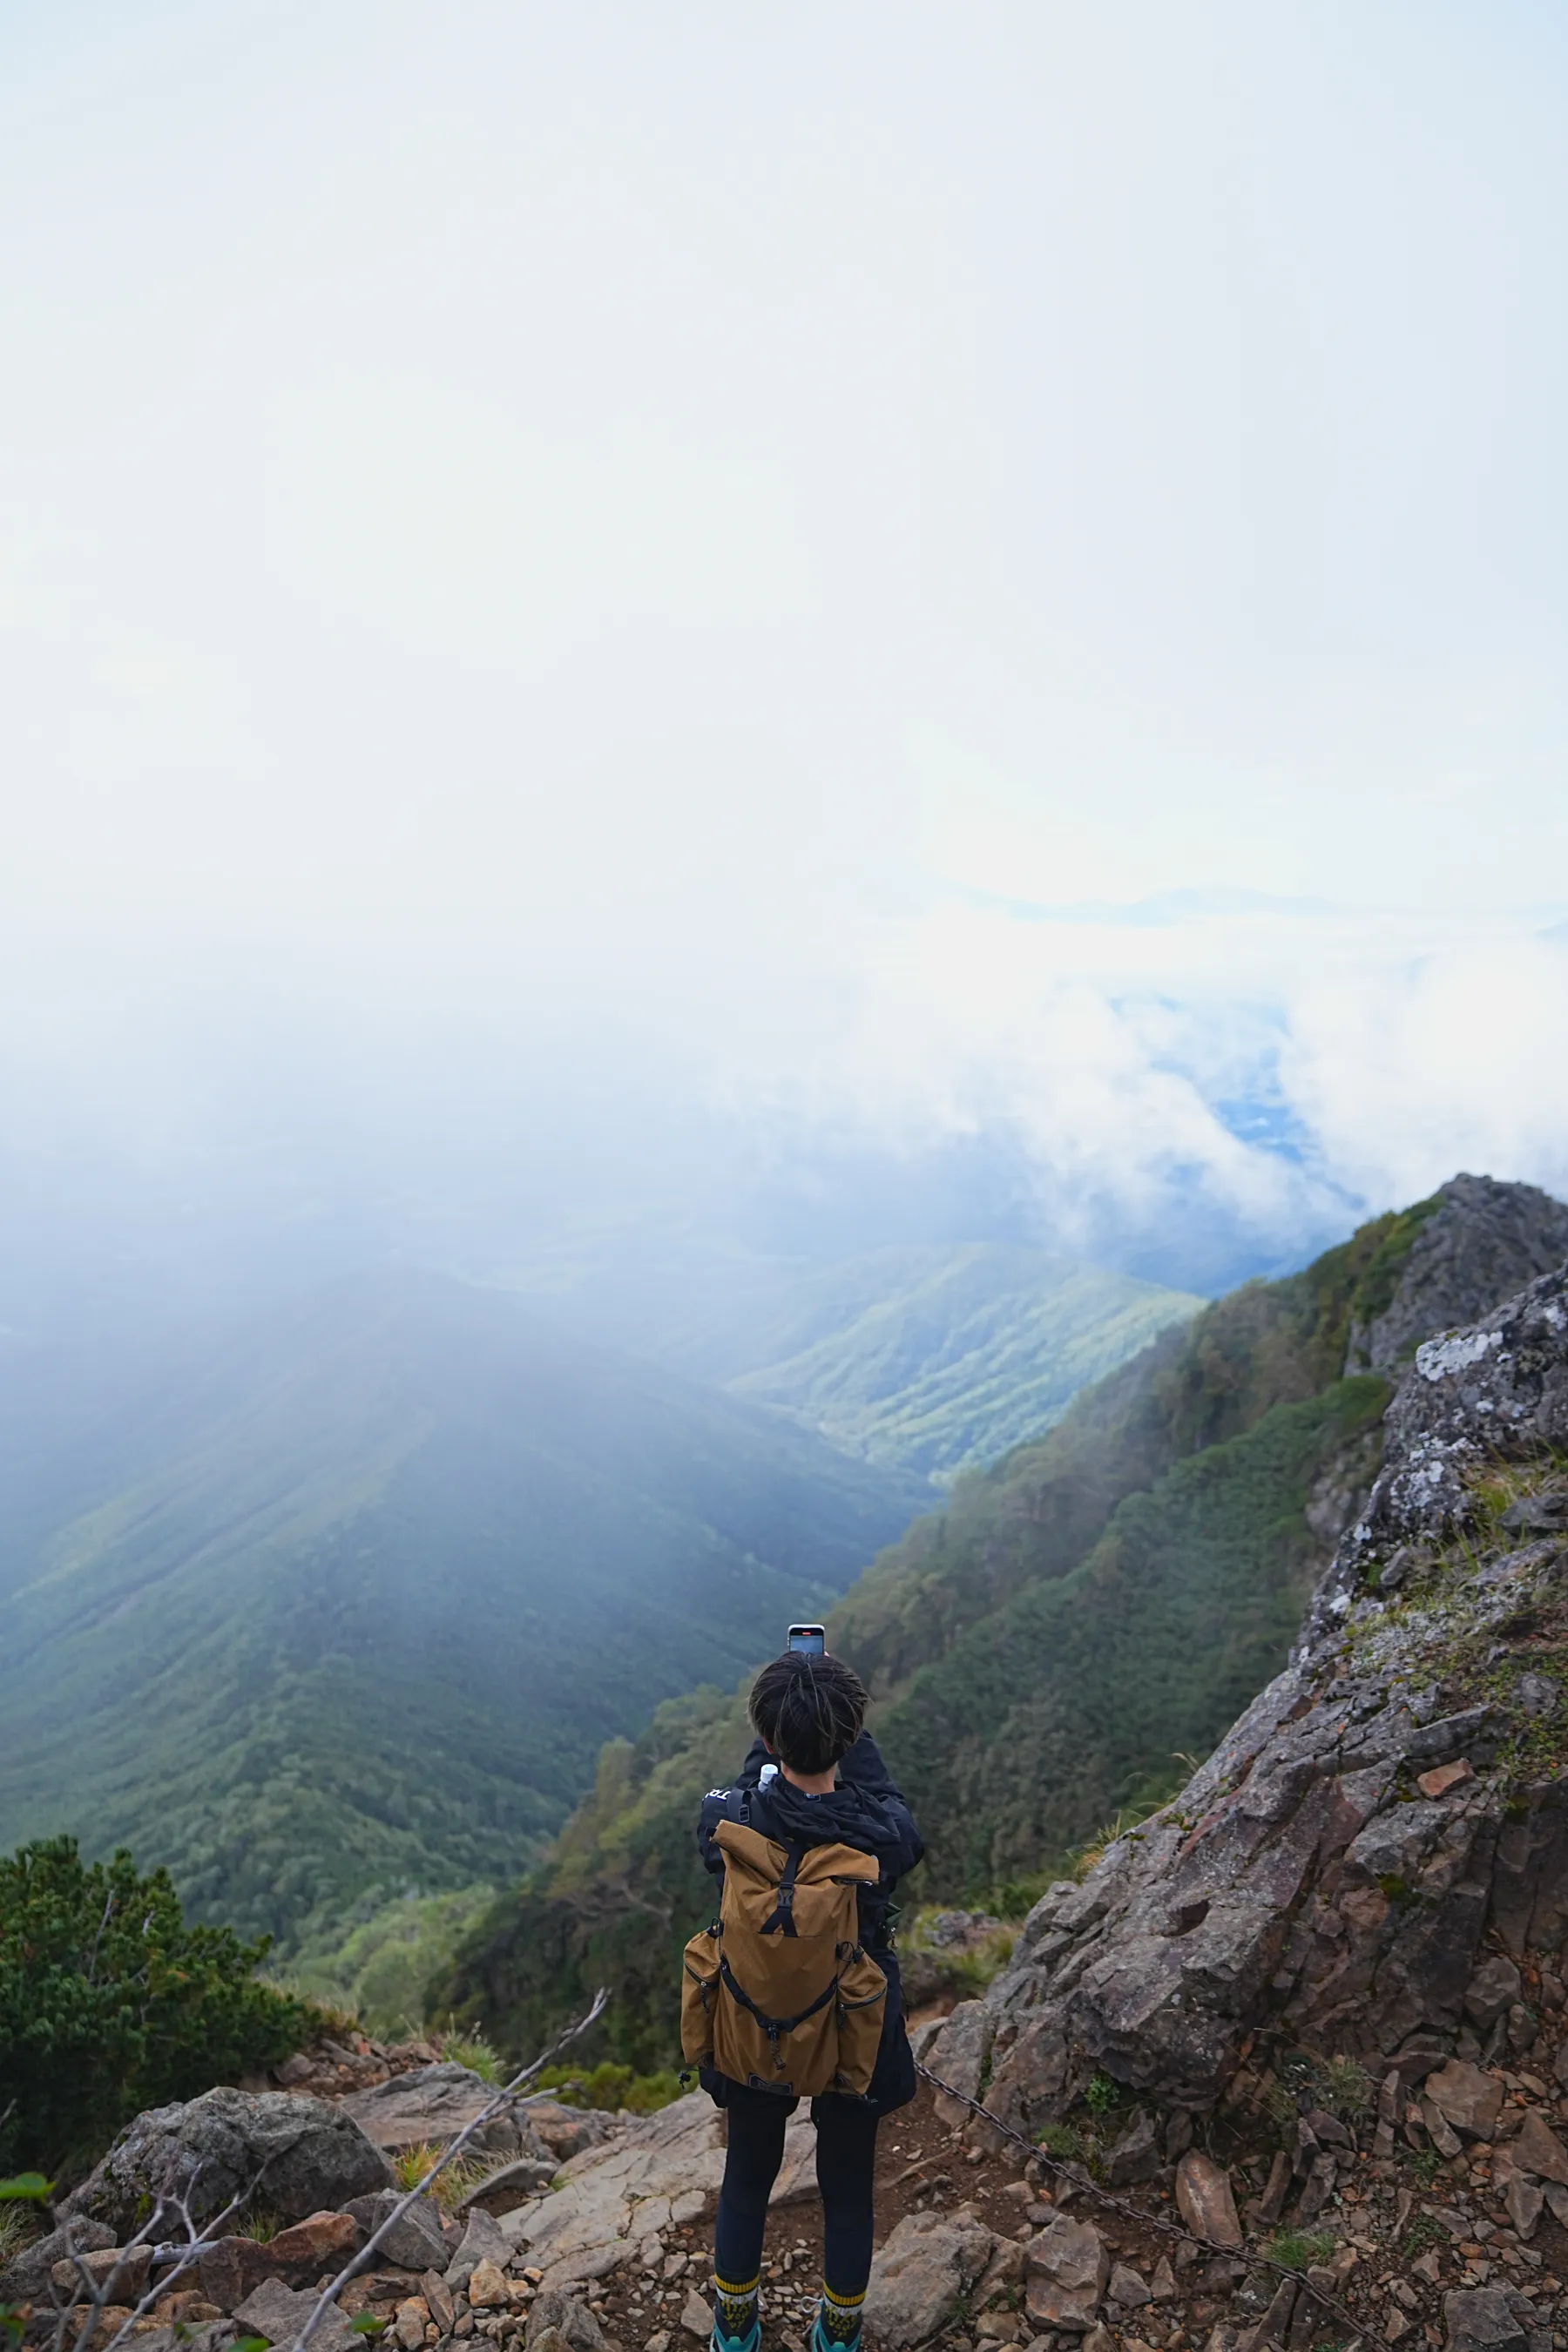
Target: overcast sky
{"points": [[722, 550]]}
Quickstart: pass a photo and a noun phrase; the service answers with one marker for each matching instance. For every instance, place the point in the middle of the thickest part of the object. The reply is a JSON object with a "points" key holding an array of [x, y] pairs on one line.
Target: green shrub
{"points": [[110, 2003], [611, 2087]]}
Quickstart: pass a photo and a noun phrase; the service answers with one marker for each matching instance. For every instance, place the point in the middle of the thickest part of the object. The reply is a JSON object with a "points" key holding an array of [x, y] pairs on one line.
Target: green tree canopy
{"points": [[110, 2003]]}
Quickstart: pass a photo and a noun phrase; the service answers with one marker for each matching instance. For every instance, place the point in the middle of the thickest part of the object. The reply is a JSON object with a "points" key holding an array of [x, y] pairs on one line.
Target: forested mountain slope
{"points": [[389, 1569], [926, 1358], [1094, 1604], [1044, 1647]]}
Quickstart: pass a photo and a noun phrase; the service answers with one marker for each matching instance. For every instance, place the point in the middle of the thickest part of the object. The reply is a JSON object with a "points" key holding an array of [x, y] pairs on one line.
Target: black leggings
{"points": [[845, 2158]]}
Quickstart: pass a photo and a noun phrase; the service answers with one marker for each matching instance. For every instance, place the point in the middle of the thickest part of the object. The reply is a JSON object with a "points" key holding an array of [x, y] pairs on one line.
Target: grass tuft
{"points": [[1300, 2250]]}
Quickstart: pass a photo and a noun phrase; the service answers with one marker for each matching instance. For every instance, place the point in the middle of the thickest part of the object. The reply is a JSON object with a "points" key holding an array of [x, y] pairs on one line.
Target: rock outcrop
{"points": [[295, 2157], [427, 2105], [1384, 1833], [616, 2201], [1483, 1242]]}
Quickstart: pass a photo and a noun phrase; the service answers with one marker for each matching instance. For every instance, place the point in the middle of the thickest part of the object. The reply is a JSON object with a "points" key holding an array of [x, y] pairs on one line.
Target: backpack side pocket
{"points": [[862, 2005], [698, 1996]]}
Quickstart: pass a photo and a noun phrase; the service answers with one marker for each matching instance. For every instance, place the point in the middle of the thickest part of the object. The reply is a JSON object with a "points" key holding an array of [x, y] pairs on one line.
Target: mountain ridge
{"points": [[1219, 1466], [367, 1614]]}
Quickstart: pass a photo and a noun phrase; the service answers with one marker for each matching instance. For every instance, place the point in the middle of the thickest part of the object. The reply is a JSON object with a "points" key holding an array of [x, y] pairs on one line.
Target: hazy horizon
{"points": [[906, 626]]}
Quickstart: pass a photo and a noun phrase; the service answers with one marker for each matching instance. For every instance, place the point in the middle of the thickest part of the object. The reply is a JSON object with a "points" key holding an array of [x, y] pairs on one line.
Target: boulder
{"points": [[415, 2241], [277, 2313], [28, 2278], [1481, 2319], [927, 2263], [432, 2105], [1206, 2202], [1467, 2098], [1066, 2268], [295, 2157], [1538, 2151]]}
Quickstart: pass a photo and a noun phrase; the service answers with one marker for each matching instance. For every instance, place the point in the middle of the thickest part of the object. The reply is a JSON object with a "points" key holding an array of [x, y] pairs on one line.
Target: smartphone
{"points": [[813, 1639]]}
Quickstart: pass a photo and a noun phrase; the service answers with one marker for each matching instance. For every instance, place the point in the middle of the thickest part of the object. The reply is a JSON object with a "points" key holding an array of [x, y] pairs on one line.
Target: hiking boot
{"points": [[750, 2342], [822, 2339]]}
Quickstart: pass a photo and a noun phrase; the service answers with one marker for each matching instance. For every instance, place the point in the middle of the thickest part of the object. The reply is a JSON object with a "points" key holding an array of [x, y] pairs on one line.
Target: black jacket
{"points": [[865, 1810]]}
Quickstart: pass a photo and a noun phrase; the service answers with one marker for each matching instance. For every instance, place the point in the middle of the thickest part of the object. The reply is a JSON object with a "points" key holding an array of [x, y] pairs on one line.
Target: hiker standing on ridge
{"points": [[794, 1992]]}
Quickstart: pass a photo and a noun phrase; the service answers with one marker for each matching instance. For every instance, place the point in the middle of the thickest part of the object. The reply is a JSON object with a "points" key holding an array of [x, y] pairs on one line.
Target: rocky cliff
{"points": [[1373, 1863], [1115, 1594]]}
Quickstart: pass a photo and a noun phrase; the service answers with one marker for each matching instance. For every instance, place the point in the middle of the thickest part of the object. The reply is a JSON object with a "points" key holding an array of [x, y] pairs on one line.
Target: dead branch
{"points": [[454, 2148], [172, 2261]]}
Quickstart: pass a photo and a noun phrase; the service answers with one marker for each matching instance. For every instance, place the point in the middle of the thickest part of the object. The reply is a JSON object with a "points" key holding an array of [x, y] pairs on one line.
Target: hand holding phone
{"points": [[812, 1639]]}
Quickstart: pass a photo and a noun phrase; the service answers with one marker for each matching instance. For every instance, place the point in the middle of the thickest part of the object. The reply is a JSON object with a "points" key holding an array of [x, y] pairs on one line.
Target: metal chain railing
{"points": [[1082, 2186]]}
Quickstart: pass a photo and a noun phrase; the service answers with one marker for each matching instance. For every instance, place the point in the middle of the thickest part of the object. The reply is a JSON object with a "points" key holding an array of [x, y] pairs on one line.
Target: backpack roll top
{"points": [[780, 1995]]}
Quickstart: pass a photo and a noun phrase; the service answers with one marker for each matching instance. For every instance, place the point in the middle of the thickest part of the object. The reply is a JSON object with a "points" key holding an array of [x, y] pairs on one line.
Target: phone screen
{"points": [[813, 1639]]}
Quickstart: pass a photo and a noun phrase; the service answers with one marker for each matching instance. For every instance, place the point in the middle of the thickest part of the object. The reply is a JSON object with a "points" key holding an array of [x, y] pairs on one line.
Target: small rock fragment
{"points": [[1444, 1777], [697, 2316], [488, 2287], [1479, 2320], [1067, 2267], [1524, 2201], [1128, 2288], [409, 2324], [1539, 2150], [1206, 2200], [1136, 2155], [1490, 1992], [1468, 2099]]}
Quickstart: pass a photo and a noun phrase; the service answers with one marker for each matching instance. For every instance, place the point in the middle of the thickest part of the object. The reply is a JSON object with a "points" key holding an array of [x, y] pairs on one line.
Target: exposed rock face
{"points": [[1483, 1243], [307, 2157], [431, 2104], [615, 2200], [1306, 1881]]}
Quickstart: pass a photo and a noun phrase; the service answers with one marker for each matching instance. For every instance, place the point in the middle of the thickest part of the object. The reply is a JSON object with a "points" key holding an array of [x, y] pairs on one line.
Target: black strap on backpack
{"points": [[773, 2026], [781, 1920]]}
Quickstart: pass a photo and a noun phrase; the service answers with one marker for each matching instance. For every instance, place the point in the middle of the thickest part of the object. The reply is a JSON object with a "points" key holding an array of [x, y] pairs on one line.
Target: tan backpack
{"points": [[777, 1993]]}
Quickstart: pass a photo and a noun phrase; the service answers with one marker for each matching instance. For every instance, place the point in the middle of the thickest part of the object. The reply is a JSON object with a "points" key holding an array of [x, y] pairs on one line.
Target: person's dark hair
{"points": [[810, 1710]]}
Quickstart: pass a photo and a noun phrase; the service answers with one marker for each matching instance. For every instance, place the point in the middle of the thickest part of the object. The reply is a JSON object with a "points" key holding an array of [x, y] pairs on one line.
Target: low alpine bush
{"points": [[110, 2003]]}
